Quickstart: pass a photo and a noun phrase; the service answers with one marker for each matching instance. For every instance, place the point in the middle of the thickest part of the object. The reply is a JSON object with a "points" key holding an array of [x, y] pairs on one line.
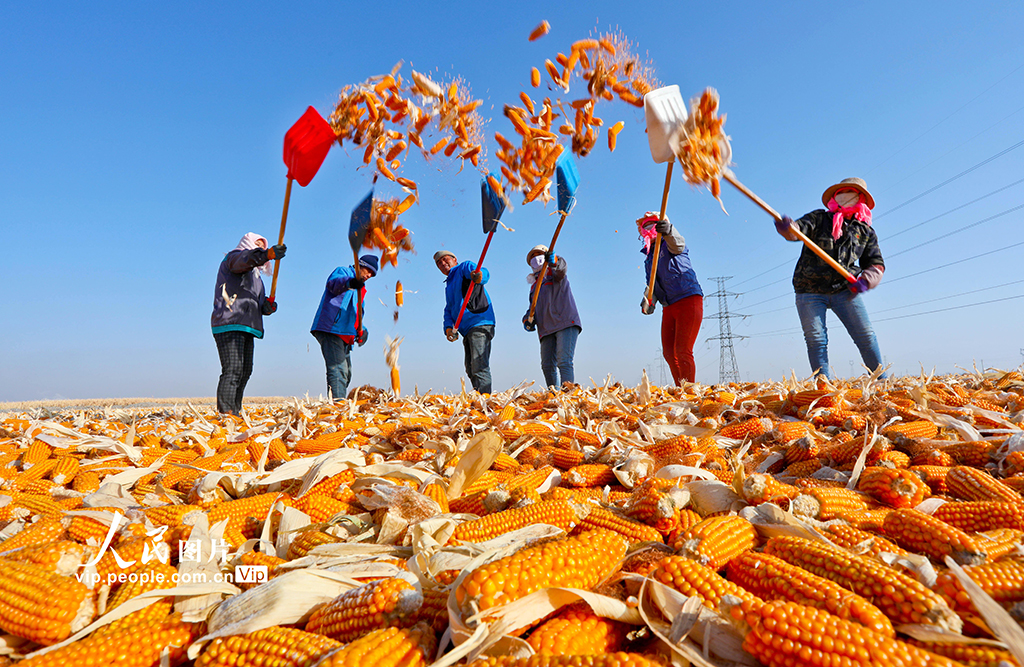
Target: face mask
{"points": [[536, 261], [847, 199]]}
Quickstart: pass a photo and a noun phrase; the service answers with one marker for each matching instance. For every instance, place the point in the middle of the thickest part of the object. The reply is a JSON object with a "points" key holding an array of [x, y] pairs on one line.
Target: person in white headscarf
{"points": [[239, 304], [556, 318]]}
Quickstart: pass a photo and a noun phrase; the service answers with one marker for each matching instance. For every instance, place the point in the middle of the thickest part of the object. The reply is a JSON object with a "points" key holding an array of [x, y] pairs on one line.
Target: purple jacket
{"points": [[556, 309], [238, 296]]}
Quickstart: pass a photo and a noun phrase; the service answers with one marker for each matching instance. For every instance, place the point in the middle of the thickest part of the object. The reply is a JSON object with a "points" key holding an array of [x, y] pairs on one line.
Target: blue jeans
{"points": [[556, 352], [850, 310], [477, 343], [339, 363]]}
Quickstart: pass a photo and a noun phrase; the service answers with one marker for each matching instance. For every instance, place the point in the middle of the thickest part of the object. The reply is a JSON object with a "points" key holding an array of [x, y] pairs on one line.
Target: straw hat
{"points": [[857, 184], [536, 250]]}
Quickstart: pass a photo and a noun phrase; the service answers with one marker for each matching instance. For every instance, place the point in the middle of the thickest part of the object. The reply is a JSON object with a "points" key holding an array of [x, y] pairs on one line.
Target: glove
{"points": [[549, 257], [477, 277], [269, 307], [663, 226], [451, 334], [646, 307], [361, 338], [783, 226], [277, 251], [528, 324], [860, 286], [355, 283]]}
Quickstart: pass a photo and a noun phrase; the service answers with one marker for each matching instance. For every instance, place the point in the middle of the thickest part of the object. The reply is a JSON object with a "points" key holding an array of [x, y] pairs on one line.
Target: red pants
{"points": [[680, 323]]}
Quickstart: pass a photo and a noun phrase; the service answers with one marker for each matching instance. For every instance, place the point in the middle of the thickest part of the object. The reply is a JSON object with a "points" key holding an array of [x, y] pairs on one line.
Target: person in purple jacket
{"points": [[556, 319], [239, 304], [334, 325]]}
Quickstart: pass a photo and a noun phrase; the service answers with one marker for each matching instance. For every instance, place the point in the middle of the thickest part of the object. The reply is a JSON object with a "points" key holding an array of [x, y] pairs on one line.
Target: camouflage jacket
{"points": [[858, 246]]}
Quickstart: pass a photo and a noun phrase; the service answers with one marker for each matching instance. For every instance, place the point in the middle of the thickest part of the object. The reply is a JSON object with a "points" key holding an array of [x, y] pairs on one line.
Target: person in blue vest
{"points": [[477, 323], [556, 318], [334, 325], [677, 290], [239, 304]]}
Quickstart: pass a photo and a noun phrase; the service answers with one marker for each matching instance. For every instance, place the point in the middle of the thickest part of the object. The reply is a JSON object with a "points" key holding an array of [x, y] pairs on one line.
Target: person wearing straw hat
{"points": [[334, 325], [843, 230], [239, 304], [677, 290], [477, 323], [556, 318]]}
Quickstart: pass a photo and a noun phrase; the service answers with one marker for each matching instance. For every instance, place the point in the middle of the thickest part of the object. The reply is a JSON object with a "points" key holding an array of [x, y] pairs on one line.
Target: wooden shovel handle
{"points": [[280, 238], [729, 176], [657, 240], [544, 268]]}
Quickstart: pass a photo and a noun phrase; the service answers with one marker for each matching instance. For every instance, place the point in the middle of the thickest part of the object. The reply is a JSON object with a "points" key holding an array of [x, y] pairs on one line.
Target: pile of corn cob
{"points": [[794, 523]]}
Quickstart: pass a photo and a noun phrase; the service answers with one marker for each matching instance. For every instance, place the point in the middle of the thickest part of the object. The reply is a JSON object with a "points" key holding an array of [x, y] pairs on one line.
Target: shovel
{"points": [[731, 177], [665, 112], [305, 146], [357, 227], [568, 181], [492, 206]]}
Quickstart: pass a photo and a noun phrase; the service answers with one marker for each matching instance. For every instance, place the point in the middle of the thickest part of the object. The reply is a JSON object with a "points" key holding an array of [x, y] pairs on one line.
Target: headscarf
{"points": [[647, 234], [859, 211], [248, 242], [536, 262]]}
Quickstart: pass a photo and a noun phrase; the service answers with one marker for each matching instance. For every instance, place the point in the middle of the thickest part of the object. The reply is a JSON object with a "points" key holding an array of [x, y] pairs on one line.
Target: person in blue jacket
{"points": [[556, 318], [239, 304], [477, 324], [334, 325], [677, 290]]}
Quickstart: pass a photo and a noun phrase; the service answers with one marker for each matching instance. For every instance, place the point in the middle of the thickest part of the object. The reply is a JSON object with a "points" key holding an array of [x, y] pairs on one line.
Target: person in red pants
{"points": [[677, 290]]}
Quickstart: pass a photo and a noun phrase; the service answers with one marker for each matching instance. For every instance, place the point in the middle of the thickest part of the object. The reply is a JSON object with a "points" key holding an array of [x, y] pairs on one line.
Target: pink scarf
{"points": [[647, 234], [860, 212]]}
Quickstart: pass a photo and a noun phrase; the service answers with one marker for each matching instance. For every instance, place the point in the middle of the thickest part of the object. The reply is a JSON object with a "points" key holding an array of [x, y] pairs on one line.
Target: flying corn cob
{"points": [[901, 598]]}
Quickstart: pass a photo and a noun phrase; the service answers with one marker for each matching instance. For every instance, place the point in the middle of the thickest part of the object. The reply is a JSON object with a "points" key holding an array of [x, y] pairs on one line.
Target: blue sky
{"points": [[141, 141]]}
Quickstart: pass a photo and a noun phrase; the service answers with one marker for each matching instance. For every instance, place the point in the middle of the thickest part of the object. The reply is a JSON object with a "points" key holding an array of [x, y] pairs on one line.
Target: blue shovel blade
{"points": [[568, 181], [360, 222], [493, 205]]}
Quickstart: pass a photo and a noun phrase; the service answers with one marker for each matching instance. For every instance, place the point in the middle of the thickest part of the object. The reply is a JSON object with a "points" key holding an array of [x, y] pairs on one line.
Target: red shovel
{"points": [[305, 146]]}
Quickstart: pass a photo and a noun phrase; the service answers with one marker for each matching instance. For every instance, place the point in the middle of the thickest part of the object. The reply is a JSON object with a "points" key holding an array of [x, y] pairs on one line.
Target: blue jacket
{"points": [[676, 278], [238, 295], [479, 312], [337, 311], [556, 308]]}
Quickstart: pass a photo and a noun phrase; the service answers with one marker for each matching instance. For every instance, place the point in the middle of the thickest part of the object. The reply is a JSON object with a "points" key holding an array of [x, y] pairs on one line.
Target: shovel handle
{"points": [[359, 295], [657, 240], [280, 237], [729, 176], [469, 292], [544, 268]]}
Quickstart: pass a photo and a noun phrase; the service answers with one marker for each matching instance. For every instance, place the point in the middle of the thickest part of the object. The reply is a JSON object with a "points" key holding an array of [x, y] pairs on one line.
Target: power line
{"points": [[957, 231], [942, 310], [973, 201], [764, 272], [959, 261], [950, 180], [943, 298]]}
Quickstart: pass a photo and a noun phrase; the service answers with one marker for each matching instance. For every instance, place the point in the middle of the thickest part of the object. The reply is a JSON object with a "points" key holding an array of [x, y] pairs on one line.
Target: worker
{"points": [[334, 325], [477, 323], [843, 230], [556, 318], [239, 304]]}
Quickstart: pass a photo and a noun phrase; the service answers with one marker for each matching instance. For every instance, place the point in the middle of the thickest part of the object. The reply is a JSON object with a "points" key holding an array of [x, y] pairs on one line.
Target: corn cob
{"points": [[760, 488], [488, 480], [772, 578], [173, 515], [238, 512], [577, 630], [934, 476], [752, 428], [68, 608], [717, 540], [277, 646], [24, 505], [582, 437], [155, 575], [654, 502], [62, 557], [65, 470], [589, 474], [472, 503], [901, 598], [439, 494], [860, 541], [801, 469], [825, 503], [306, 540], [138, 646], [923, 533], [321, 508], [257, 558], [86, 481], [786, 633], [801, 449], [634, 531], [976, 516], [919, 429], [999, 542], [528, 479], [596, 554], [37, 452], [894, 459], [558, 513], [680, 444], [893, 487], [969, 483], [44, 531], [693, 579], [564, 459], [1002, 579], [976, 454], [791, 430], [847, 452], [387, 647], [968, 655], [608, 660], [391, 602]]}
